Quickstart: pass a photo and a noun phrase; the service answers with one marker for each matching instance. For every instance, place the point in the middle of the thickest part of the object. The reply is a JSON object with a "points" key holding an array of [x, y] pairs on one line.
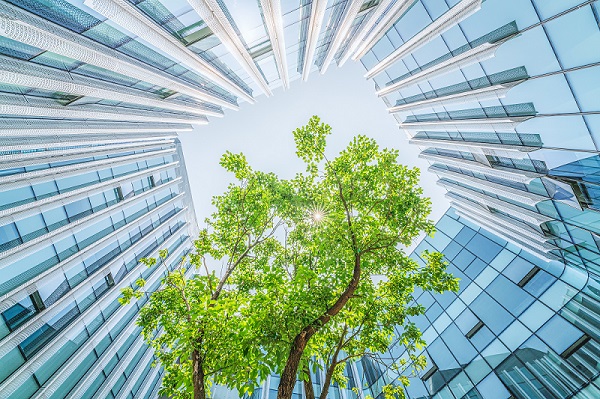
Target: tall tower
{"points": [[77, 213], [520, 326]]}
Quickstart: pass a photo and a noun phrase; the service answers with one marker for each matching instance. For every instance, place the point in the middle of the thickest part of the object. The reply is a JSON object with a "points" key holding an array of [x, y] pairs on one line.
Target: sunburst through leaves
{"points": [[317, 214]]}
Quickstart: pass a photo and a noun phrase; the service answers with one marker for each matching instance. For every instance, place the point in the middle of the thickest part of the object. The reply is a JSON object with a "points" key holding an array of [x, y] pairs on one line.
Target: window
{"points": [[563, 337], [46, 189], [31, 227], [127, 190], [119, 193], [36, 299], [109, 280], [575, 347], [429, 373], [78, 209], [9, 237], [55, 218], [527, 278], [509, 295], [16, 196], [478, 326], [19, 313]]}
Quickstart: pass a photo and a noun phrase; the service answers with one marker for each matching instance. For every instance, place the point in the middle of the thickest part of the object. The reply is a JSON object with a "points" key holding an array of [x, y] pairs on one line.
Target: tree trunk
{"points": [[290, 372], [333, 364], [198, 376], [327, 381], [309, 390]]}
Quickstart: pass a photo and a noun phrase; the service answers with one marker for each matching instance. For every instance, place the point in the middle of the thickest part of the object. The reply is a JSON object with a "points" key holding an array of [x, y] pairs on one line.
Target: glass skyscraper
{"points": [[77, 212], [520, 327], [500, 96]]}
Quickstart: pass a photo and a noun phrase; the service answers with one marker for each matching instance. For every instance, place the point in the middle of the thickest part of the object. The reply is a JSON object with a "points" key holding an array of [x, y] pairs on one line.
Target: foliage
{"points": [[317, 285], [194, 322], [295, 288], [374, 318]]}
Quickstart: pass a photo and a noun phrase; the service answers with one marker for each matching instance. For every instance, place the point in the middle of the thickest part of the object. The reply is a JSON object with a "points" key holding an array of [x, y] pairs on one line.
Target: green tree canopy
{"points": [[297, 259], [354, 213]]}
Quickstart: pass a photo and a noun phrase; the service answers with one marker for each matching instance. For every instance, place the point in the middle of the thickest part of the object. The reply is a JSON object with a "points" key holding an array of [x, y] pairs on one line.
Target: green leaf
{"points": [[283, 278]]}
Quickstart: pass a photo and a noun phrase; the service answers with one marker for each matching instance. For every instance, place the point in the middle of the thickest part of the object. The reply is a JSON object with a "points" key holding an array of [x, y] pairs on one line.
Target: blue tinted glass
{"points": [[579, 26], [17, 49], [509, 295], [80, 208], [74, 182], [32, 224], [17, 195], [465, 235], [98, 201], [66, 247], [475, 268], [451, 250], [539, 283], [94, 232], [433, 312], [24, 269], [435, 8], [76, 274], [466, 320], [491, 313], [484, 248], [11, 171], [55, 217], [482, 338], [19, 313], [124, 169], [461, 347], [105, 174], [45, 189], [517, 269], [559, 334], [463, 259], [440, 354], [440, 241], [493, 388], [586, 86], [446, 298], [8, 233]]}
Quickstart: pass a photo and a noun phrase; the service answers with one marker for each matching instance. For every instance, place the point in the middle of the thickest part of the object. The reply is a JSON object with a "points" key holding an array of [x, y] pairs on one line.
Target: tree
{"points": [[373, 319], [194, 323], [296, 259], [355, 212]]}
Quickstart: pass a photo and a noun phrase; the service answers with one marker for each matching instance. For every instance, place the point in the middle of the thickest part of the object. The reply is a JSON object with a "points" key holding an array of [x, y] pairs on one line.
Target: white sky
{"points": [[342, 97]]}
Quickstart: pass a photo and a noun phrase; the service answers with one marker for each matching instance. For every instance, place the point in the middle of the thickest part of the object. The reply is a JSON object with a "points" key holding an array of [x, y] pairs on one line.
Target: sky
{"points": [[342, 98]]}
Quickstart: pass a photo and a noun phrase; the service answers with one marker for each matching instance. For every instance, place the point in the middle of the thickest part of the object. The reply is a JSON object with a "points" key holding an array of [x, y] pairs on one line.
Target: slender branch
{"points": [[393, 240], [345, 204], [350, 357], [181, 291], [210, 286], [333, 363]]}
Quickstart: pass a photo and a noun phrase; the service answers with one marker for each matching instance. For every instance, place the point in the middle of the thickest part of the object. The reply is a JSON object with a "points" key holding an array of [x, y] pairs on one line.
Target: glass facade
{"points": [[500, 96], [76, 216], [500, 102], [520, 326]]}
